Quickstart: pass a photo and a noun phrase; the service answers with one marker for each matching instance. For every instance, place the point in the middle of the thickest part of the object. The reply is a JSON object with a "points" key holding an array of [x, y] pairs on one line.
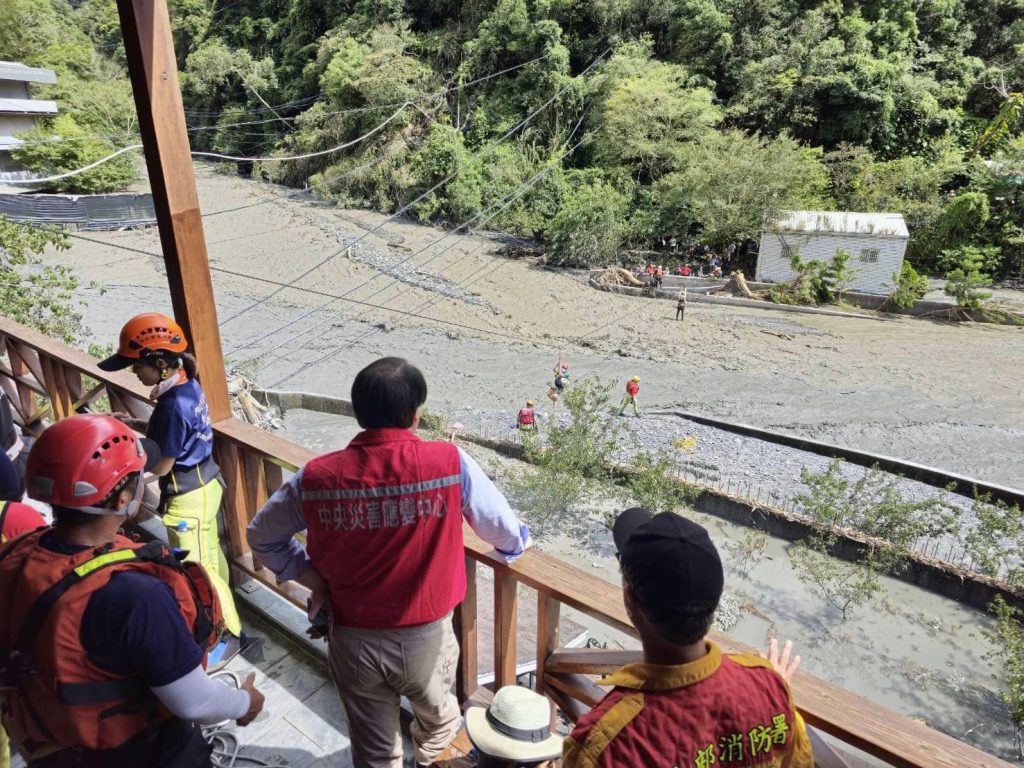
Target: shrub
{"points": [[910, 286]]}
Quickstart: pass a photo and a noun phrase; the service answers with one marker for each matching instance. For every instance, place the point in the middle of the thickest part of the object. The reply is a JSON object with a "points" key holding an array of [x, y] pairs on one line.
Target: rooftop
{"points": [[846, 222], [28, 107], [12, 70]]}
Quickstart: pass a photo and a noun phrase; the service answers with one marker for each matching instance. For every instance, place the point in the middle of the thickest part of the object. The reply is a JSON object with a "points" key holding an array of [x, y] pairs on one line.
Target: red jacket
{"points": [[385, 528], [67, 701], [526, 417], [632, 387], [716, 711]]}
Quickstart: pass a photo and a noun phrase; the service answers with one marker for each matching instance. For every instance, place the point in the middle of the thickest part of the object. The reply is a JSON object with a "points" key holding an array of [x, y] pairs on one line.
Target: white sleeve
{"points": [[197, 698]]}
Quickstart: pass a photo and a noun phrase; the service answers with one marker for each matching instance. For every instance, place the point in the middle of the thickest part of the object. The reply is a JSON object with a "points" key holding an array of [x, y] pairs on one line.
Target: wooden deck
{"points": [[303, 722]]}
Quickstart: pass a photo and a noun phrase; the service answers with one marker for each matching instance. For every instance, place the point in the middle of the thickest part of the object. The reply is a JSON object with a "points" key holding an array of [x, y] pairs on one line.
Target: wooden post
{"points": [[146, 29], [466, 676], [506, 604], [548, 615]]}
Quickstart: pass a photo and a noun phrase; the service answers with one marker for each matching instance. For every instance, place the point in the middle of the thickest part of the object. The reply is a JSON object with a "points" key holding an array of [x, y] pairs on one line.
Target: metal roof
{"points": [[7, 142], [12, 70], [28, 107], [841, 222]]}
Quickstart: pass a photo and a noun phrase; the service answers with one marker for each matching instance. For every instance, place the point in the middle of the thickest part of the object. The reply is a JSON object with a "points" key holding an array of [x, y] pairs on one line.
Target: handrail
{"points": [[253, 462]]}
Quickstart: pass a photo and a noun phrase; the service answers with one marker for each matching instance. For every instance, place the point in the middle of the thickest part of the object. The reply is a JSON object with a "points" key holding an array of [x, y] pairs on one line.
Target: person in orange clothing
{"points": [[687, 703]]}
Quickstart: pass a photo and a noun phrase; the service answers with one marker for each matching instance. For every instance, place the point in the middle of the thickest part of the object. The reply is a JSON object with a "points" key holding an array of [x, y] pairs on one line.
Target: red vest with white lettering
{"points": [[384, 520]]}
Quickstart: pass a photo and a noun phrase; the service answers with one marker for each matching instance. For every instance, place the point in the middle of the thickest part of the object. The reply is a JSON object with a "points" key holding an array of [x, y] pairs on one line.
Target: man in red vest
{"points": [[385, 553], [527, 420]]}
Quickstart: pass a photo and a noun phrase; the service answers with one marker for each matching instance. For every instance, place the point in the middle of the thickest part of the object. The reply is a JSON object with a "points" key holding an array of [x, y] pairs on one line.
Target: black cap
{"points": [[669, 562], [116, 362]]}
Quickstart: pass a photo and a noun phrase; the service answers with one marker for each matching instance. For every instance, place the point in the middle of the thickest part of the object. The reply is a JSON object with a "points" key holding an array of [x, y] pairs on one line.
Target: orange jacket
{"points": [[54, 696]]}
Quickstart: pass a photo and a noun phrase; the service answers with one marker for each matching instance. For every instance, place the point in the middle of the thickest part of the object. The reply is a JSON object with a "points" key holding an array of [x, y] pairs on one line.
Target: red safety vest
{"points": [[526, 417], [632, 387], [384, 520], [54, 697]]}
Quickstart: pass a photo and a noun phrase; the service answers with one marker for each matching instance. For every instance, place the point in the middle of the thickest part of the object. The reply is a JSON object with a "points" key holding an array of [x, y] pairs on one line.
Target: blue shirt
{"points": [[181, 426], [133, 626], [483, 506]]}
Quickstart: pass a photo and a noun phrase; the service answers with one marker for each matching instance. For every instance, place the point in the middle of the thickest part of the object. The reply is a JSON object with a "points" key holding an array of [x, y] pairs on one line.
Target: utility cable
{"points": [[417, 199], [486, 214]]}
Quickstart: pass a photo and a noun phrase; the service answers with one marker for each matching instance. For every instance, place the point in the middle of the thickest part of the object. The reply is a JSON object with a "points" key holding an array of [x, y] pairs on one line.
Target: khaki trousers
{"points": [[373, 668]]}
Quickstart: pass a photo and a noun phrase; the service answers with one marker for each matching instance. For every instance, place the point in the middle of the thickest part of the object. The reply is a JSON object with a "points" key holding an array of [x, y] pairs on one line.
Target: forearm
{"points": [[271, 533], [488, 512], [197, 698]]}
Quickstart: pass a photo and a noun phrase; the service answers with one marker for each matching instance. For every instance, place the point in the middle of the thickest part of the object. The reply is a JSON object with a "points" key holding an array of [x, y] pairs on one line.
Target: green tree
{"points": [[65, 145], [729, 182], [589, 227], [32, 294], [909, 286], [966, 283], [1007, 638]]}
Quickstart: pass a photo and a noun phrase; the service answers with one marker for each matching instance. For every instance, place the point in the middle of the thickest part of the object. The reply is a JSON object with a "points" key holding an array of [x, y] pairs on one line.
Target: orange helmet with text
{"points": [[150, 334]]}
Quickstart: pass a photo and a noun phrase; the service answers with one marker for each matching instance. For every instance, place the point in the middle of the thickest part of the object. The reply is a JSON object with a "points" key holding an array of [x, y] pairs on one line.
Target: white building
{"points": [[876, 243], [18, 110]]}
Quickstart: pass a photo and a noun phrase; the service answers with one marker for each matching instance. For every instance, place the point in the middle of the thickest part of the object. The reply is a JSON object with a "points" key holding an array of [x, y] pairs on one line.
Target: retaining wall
{"points": [[952, 581]]}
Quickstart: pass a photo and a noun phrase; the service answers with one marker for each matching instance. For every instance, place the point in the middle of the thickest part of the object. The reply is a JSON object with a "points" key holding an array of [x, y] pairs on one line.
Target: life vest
{"points": [[526, 417], [384, 520], [54, 696], [17, 518]]}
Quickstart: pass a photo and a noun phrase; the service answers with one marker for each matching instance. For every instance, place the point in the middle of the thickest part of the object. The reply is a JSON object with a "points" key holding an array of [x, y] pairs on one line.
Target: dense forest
{"points": [[594, 127]]}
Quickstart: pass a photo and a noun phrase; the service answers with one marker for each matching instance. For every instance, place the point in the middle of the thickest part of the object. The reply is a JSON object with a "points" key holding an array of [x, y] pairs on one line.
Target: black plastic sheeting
{"points": [[91, 212]]}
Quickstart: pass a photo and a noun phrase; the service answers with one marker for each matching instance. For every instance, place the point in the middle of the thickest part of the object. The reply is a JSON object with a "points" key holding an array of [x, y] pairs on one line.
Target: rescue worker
{"points": [[386, 555], [103, 641], [632, 389], [681, 304], [527, 421], [561, 371], [154, 345], [686, 703], [15, 519]]}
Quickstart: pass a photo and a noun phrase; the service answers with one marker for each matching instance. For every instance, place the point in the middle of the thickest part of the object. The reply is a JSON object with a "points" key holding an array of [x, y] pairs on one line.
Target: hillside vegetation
{"points": [[685, 118]]}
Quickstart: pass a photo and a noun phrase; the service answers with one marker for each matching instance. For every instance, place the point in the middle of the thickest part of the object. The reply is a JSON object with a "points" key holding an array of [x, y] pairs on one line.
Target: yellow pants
{"points": [[5, 750], [198, 511]]}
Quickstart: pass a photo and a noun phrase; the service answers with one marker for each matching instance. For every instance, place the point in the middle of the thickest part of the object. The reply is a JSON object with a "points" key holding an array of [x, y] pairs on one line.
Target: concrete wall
{"points": [[13, 89], [773, 261]]}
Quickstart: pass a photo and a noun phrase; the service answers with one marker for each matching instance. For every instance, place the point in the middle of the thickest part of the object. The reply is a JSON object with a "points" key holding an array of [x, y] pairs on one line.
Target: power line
{"points": [[507, 200], [420, 197]]}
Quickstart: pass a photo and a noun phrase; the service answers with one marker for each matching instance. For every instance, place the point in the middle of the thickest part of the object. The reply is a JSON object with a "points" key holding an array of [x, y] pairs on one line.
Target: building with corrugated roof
{"points": [[18, 110], [876, 243]]}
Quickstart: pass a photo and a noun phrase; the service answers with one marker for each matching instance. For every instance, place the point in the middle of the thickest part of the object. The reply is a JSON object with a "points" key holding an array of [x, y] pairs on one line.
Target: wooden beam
{"points": [[506, 609], [548, 615], [467, 676], [146, 29]]}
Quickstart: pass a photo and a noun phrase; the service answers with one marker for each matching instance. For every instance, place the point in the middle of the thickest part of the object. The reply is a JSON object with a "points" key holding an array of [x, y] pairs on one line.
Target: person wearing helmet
{"points": [[632, 389], [105, 640], [561, 372], [527, 421], [153, 345]]}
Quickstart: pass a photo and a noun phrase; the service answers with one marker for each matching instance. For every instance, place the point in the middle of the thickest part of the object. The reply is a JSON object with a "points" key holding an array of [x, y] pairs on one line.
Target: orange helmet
{"points": [[150, 334]]}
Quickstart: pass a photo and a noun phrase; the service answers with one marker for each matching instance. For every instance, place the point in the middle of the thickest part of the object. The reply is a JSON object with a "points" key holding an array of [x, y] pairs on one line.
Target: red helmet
{"points": [[151, 333], [77, 462]]}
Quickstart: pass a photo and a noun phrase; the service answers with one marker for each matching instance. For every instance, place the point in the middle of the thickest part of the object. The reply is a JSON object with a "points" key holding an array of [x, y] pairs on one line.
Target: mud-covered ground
{"points": [[487, 330]]}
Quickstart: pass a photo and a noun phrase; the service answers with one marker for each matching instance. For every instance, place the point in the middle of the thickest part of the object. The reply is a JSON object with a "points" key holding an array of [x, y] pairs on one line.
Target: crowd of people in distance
{"points": [[107, 640]]}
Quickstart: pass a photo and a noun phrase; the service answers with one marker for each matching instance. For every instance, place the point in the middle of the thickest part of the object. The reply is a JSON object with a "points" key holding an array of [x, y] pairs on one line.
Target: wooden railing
{"points": [[47, 380]]}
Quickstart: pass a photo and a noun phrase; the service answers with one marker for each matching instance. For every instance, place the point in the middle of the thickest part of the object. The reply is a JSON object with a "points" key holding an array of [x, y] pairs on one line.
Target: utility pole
{"points": [[146, 29]]}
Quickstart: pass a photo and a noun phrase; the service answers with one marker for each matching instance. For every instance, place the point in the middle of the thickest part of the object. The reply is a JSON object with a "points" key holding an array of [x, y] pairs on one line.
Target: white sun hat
{"points": [[517, 726]]}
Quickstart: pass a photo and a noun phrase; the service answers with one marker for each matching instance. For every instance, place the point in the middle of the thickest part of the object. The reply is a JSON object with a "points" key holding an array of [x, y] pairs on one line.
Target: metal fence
{"points": [[90, 212]]}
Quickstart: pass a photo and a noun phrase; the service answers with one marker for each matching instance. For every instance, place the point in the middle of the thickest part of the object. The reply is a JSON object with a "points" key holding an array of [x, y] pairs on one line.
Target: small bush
{"points": [[910, 286]]}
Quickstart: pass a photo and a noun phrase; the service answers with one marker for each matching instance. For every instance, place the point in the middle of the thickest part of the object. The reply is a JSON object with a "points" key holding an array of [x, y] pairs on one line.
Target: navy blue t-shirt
{"points": [[133, 626], [181, 426]]}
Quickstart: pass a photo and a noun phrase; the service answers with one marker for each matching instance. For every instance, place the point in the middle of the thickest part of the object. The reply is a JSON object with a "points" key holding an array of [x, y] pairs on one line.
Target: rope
{"points": [[224, 740]]}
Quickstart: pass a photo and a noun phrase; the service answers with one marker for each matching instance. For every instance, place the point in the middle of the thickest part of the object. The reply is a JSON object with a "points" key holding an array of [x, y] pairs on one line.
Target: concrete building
{"points": [[876, 243], [18, 110]]}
